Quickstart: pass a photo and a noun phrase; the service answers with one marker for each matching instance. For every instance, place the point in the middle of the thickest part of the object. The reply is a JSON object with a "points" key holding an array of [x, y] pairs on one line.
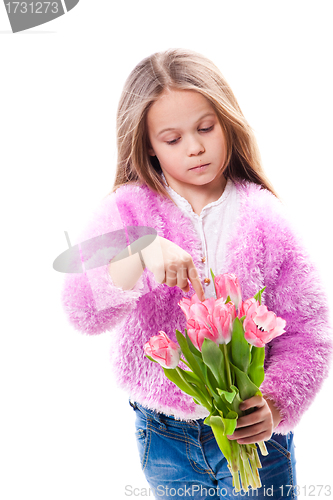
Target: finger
{"points": [[182, 281], [194, 278], [263, 436], [249, 431], [255, 401], [170, 275], [253, 418]]}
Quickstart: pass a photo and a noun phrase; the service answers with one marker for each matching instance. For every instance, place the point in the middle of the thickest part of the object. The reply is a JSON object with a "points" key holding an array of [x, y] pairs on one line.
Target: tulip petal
{"points": [[163, 350]]}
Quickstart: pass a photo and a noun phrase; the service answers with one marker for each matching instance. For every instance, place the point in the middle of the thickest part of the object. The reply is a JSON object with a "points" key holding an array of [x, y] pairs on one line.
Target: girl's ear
{"points": [[151, 152]]}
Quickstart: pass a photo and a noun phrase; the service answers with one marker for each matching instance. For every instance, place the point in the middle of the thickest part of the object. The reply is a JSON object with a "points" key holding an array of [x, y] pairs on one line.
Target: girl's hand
{"points": [[171, 265], [258, 425]]}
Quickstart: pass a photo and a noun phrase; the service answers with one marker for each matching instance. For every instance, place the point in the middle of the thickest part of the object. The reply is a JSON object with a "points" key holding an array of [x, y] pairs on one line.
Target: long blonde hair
{"points": [[186, 70]]}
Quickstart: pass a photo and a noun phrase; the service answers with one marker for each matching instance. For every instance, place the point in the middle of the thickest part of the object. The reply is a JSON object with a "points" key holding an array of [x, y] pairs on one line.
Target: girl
{"points": [[189, 168]]}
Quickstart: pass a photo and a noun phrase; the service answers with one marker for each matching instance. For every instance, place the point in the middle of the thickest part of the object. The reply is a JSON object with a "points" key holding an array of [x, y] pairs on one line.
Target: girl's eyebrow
{"points": [[201, 118]]}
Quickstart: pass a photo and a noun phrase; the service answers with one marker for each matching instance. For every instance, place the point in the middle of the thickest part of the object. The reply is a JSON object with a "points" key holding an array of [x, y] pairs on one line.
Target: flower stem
{"points": [[236, 483], [243, 474], [257, 459], [199, 395], [263, 448], [227, 365], [234, 465], [211, 272], [251, 479], [185, 363]]}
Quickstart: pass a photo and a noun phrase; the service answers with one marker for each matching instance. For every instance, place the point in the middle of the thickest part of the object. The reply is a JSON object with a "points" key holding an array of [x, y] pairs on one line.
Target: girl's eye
{"points": [[208, 129], [174, 141]]}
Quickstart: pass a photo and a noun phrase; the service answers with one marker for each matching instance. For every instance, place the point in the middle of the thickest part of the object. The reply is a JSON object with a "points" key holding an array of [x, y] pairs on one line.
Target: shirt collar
{"points": [[182, 203]]}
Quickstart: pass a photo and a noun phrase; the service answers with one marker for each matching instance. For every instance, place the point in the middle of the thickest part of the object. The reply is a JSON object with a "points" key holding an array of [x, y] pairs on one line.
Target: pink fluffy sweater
{"points": [[263, 251]]}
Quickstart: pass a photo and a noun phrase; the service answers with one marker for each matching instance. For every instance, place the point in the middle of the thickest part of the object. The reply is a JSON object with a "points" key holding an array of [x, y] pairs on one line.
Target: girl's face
{"points": [[187, 138]]}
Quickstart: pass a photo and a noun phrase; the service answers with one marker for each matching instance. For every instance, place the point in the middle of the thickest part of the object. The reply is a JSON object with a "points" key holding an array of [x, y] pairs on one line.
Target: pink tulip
{"points": [[185, 304], [163, 350], [210, 319], [244, 306], [198, 331], [227, 284], [222, 322], [201, 309], [262, 325]]}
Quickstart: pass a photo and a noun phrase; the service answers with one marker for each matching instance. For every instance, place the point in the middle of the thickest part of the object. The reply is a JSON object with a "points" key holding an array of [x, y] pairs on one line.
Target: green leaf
{"points": [[240, 349], [229, 396], [259, 294], [174, 376], [189, 356], [214, 412], [151, 359], [221, 406], [236, 402], [207, 420], [213, 277], [193, 379], [256, 370], [246, 387], [230, 423], [210, 381], [228, 346], [214, 359], [233, 415], [192, 347], [218, 429]]}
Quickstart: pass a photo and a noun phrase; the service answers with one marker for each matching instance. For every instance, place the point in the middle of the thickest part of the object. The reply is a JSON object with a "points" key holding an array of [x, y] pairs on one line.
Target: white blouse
{"points": [[214, 226]]}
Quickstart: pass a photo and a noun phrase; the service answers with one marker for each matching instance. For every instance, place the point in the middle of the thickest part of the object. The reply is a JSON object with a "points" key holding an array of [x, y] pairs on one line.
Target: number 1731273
{"points": [[312, 490]]}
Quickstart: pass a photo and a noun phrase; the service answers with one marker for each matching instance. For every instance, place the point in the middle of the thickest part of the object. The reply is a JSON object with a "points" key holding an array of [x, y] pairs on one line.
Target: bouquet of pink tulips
{"points": [[224, 349]]}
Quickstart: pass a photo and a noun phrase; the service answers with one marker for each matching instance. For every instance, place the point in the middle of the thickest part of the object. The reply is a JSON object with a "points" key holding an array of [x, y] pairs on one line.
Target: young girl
{"points": [[189, 169]]}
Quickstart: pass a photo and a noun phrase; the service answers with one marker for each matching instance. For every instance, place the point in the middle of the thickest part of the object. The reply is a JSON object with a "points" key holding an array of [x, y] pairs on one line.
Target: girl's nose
{"points": [[195, 147]]}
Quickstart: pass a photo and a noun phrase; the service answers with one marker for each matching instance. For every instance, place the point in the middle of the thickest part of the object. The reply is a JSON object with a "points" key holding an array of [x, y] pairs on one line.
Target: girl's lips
{"points": [[199, 168]]}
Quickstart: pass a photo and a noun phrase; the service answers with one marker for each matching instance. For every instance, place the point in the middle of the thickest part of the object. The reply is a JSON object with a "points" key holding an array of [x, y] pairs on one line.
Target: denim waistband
{"points": [[195, 428], [163, 419]]}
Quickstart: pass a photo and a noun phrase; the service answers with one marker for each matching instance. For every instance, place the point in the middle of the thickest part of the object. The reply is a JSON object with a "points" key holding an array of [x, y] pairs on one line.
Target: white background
{"points": [[66, 430]]}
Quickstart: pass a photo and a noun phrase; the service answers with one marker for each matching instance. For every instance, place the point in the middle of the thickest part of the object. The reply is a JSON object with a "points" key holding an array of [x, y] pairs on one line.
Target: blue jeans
{"points": [[182, 459]]}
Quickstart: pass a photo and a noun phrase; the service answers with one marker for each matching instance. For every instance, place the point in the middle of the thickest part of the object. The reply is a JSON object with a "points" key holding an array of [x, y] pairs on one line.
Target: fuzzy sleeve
{"points": [[92, 303], [298, 361]]}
